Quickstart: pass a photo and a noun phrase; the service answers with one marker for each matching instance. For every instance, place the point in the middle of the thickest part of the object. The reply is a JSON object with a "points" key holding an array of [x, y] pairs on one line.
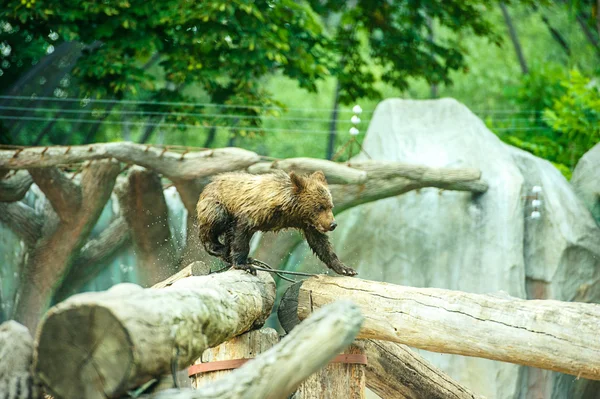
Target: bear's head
{"points": [[313, 201]]}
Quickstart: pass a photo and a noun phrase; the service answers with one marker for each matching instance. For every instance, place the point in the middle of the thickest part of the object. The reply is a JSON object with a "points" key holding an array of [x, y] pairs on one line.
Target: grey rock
{"points": [[586, 180]]}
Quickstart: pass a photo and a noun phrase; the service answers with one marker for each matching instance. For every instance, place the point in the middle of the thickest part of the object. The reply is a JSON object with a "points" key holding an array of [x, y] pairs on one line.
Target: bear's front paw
{"points": [[249, 268], [344, 270]]}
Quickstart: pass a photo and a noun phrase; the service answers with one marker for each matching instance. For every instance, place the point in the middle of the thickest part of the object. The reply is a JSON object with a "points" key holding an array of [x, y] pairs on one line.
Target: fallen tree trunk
{"points": [[276, 373], [112, 341], [553, 335], [395, 371]]}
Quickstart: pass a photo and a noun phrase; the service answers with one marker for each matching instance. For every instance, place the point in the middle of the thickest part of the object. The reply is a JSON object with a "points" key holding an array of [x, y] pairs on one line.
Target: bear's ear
{"points": [[319, 176], [297, 181]]}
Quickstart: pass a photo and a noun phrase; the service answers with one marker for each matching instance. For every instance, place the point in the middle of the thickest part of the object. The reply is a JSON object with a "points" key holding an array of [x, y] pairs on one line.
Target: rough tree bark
{"points": [[552, 335], [71, 213], [276, 373], [144, 207], [16, 352], [116, 340]]}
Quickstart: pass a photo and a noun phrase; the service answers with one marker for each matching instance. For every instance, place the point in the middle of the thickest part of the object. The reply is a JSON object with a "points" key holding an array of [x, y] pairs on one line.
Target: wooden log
{"points": [[232, 353], [553, 335], [112, 341], [16, 352], [334, 172], [193, 269], [336, 380], [171, 164], [277, 373], [395, 371]]}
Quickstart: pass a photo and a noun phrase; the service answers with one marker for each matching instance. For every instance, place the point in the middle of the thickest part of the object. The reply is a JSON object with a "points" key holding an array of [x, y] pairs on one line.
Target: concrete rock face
{"points": [[474, 243], [586, 180]]}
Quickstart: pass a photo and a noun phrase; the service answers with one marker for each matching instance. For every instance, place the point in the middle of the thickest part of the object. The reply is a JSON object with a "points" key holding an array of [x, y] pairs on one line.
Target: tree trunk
{"points": [[277, 373], [333, 121], [394, 371], [545, 334], [514, 38], [112, 341], [66, 226], [210, 138]]}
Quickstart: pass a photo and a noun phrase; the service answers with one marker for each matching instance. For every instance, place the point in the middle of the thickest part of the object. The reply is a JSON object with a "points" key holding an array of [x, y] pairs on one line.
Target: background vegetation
{"points": [[281, 77]]}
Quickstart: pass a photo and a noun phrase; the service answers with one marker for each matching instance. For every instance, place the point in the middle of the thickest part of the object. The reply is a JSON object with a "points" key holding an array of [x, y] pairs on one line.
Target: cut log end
{"points": [[96, 357]]}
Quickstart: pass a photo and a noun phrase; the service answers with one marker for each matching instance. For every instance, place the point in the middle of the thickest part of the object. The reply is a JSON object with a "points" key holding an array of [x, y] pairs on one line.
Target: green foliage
{"points": [[399, 39], [575, 117], [222, 48]]}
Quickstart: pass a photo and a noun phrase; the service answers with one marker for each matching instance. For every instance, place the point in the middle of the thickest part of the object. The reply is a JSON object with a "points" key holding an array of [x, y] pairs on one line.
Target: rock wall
{"points": [[460, 241], [586, 180]]}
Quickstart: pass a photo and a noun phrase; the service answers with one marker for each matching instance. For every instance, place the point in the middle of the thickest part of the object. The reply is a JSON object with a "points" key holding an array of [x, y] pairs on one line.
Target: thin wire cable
{"points": [[152, 113], [261, 129], [192, 104], [127, 123]]}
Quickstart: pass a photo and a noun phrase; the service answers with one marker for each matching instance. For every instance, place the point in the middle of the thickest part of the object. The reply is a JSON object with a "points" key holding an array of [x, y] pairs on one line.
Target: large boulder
{"points": [[475, 243], [586, 180]]}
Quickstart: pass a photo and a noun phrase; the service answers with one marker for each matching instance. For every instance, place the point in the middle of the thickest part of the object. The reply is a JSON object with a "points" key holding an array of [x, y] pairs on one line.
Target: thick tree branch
{"points": [[335, 172], [55, 251], [63, 194], [144, 207], [14, 188], [170, 164], [22, 220], [90, 260]]}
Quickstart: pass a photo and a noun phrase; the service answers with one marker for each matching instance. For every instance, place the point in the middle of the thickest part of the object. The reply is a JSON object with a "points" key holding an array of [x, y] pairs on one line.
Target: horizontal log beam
{"points": [[174, 165], [112, 341], [552, 335], [277, 372], [335, 172]]}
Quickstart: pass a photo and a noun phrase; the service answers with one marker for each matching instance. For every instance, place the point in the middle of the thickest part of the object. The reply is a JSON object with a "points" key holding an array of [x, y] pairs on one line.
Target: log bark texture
{"points": [[394, 371], [16, 352], [112, 341], [553, 335], [277, 373]]}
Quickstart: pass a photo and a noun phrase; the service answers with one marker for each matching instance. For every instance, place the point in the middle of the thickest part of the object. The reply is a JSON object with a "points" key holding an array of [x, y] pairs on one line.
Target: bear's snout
{"points": [[332, 226]]}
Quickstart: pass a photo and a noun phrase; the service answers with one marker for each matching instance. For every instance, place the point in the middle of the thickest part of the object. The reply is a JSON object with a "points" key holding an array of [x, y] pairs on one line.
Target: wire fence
{"points": [[43, 114]]}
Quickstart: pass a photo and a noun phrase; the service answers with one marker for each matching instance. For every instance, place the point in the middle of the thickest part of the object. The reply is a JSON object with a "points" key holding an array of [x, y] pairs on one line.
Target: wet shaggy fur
{"points": [[236, 205]]}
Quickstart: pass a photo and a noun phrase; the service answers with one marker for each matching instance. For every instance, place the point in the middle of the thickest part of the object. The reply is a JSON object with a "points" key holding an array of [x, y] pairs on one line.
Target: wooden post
{"points": [[344, 377], [223, 359]]}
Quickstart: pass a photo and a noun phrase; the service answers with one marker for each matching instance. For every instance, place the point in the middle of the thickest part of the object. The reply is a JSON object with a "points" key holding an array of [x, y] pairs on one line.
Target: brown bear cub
{"points": [[236, 205]]}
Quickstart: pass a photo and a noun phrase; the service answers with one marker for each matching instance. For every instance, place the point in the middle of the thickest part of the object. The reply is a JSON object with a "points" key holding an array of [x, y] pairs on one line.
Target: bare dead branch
{"points": [[168, 163], [14, 188], [63, 194], [22, 220], [335, 172]]}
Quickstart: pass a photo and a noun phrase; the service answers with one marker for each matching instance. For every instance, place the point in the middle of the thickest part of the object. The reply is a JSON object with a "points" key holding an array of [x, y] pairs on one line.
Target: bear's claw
{"points": [[247, 267], [344, 270]]}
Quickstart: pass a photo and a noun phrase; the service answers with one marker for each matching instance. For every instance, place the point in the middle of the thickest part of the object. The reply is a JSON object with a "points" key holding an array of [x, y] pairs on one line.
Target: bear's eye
{"points": [[320, 208]]}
